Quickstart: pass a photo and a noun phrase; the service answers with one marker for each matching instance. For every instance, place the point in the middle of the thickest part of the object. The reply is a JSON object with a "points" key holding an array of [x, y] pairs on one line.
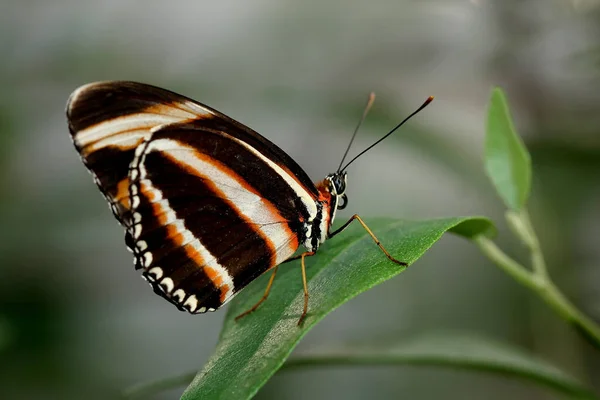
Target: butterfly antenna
{"points": [[370, 102], [429, 100]]}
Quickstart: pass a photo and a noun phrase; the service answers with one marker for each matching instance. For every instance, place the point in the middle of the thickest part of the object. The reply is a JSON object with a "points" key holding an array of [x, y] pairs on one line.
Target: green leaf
{"points": [[507, 161], [251, 350]]}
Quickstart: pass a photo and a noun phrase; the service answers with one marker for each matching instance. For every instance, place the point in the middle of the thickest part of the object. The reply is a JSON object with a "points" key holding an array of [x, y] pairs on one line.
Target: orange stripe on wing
{"points": [[122, 194], [217, 279], [184, 111], [177, 237], [212, 273]]}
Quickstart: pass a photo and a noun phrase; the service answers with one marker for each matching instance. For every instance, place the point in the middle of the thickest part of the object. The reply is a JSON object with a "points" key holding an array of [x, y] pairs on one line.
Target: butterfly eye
{"points": [[340, 185], [344, 203]]}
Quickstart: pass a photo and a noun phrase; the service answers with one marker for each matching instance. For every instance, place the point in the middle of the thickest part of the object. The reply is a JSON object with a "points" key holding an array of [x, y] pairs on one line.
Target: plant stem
{"points": [[507, 264], [585, 325], [521, 225], [538, 280]]}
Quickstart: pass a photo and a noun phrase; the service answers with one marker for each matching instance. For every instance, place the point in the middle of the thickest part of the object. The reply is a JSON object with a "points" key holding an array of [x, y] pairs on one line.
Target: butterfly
{"points": [[207, 204]]}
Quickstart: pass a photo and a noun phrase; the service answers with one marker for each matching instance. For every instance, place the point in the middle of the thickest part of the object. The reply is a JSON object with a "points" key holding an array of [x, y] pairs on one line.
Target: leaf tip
{"points": [[507, 161]]}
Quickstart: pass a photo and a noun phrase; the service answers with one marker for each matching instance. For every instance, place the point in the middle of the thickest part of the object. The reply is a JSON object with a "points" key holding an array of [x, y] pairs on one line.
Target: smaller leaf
{"points": [[507, 161]]}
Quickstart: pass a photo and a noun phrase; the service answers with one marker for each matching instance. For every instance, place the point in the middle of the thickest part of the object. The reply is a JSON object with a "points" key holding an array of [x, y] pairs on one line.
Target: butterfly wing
{"points": [[208, 203]]}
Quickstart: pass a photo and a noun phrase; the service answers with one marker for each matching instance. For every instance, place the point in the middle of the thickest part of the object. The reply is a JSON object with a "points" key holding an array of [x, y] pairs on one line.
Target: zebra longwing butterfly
{"points": [[207, 204]]}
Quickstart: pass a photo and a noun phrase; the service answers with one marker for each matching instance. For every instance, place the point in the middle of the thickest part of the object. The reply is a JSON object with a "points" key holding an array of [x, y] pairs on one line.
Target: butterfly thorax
{"points": [[331, 198]]}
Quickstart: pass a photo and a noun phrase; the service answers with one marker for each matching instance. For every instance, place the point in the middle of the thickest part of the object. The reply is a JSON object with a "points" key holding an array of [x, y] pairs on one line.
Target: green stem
{"points": [[539, 282], [585, 325], [507, 264], [521, 225]]}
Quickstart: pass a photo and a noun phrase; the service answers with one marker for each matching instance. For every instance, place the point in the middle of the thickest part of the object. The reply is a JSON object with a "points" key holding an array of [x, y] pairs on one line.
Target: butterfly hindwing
{"points": [[210, 213]]}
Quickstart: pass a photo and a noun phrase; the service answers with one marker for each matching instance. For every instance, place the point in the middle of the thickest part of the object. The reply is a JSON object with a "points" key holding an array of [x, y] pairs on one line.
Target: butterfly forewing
{"points": [[109, 120]]}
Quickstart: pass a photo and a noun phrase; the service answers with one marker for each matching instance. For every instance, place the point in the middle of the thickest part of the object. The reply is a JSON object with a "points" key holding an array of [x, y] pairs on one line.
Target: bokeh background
{"points": [[76, 321]]}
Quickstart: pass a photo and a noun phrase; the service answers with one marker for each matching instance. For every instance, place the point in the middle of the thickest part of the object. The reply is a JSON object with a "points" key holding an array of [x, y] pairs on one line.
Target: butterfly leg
{"points": [[263, 298], [305, 309], [377, 242]]}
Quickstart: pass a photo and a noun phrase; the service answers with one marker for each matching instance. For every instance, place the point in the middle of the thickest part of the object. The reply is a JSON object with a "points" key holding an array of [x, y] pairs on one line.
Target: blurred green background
{"points": [[76, 320]]}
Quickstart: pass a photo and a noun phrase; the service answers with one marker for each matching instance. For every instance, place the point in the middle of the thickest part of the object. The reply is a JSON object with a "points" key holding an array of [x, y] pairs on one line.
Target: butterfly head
{"points": [[337, 187]]}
